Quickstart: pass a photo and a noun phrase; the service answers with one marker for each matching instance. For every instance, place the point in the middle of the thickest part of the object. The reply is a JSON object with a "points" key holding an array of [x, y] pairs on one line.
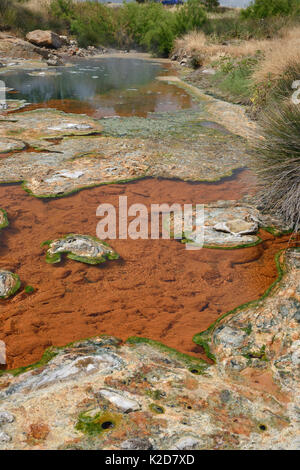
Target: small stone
{"points": [[136, 444], [125, 404], [4, 437], [186, 443], [6, 417]]}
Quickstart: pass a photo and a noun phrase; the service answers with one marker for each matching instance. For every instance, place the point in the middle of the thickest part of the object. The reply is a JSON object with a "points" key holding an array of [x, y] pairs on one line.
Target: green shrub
{"points": [[190, 17], [277, 161], [266, 8], [234, 77]]}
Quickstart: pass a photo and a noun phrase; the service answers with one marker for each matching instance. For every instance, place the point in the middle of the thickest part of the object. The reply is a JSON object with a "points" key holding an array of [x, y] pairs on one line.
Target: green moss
{"points": [[29, 289], [190, 361], [49, 354], [261, 354], [156, 408], [155, 394], [5, 222], [95, 425], [248, 329]]}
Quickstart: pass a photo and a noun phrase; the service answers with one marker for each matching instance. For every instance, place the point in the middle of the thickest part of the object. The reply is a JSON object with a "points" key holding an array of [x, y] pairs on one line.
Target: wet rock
{"points": [[82, 248], [136, 444], [6, 417], [122, 402], [186, 443], [225, 224], [9, 284], [44, 39], [42, 124], [4, 437]]}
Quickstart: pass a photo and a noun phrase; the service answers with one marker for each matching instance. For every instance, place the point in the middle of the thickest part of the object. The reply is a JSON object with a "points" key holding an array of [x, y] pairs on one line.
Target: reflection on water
{"points": [[100, 87]]}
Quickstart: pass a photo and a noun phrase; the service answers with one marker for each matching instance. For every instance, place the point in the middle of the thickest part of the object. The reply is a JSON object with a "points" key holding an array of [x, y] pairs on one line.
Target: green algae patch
{"points": [[158, 409], [3, 219], [82, 248], [95, 425], [190, 361], [29, 289]]}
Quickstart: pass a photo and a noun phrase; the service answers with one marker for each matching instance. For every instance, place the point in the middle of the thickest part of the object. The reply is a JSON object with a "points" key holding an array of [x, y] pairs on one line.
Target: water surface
{"points": [[100, 88]]}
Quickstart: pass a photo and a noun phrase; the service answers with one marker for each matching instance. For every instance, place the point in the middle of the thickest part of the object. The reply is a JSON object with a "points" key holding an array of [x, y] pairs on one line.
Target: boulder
{"points": [[44, 39], [54, 61]]}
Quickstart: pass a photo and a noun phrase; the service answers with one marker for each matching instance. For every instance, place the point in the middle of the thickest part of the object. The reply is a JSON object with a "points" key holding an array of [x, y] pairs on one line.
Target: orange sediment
{"points": [[158, 289]]}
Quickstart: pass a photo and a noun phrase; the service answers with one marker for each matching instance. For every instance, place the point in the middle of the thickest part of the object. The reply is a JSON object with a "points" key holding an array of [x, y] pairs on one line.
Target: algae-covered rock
{"points": [[47, 123], [11, 145], [226, 224], [82, 248], [13, 105], [3, 219], [9, 284]]}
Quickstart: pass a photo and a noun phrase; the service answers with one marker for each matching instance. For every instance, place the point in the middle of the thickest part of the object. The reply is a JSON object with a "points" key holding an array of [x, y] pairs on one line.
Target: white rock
{"points": [[6, 417], [186, 443], [4, 437], [124, 403]]}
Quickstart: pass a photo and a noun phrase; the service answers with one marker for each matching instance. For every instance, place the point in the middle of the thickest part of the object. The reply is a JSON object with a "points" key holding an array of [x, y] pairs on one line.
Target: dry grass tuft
{"points": [[279, 54], [277, 161]]}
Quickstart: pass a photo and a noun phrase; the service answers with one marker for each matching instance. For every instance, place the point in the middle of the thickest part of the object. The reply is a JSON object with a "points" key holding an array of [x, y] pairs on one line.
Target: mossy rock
{"points": [[82, 248], [98, 423], [9, 284]]}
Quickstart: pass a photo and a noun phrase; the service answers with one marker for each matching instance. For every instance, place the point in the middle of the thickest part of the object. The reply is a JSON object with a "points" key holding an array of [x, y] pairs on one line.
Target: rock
{"points": [[9, 284], [186, 443], [65, 40], [82, 248], [237, 227], [54, 61], [102, 362], [13, 47], [230, 337], [6, 417], [125, 404], [11, 145], [136, 444], [4, 437], [208, 71], [44, 39]]}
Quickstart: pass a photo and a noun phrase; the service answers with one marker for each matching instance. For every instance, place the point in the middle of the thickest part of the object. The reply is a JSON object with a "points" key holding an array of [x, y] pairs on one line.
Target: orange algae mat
{"points": [[157, 289]]}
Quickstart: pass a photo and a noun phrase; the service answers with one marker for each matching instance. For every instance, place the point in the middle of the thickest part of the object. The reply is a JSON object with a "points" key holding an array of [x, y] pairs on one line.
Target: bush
{"points": [[277, 162], [267, 8], [150, 26], [190, 17]]}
